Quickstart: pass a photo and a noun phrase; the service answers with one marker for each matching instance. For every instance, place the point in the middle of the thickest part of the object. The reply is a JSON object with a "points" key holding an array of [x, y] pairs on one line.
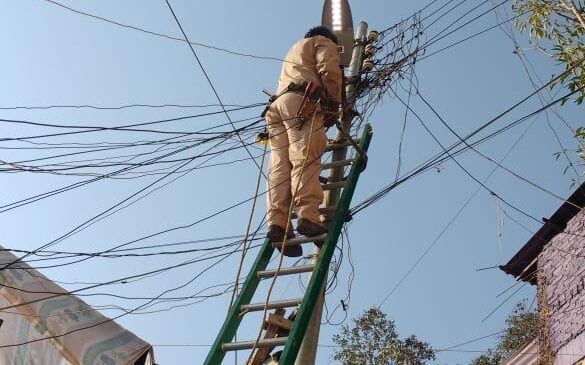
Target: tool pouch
{"points": [[330, 112], [310, 101]]}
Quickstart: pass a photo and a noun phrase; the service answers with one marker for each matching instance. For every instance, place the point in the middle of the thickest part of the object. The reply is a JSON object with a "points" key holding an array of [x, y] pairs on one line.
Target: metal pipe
{"points": [[267, 342], [285, 271], [301, 239], [338, 163], [272, 305]]}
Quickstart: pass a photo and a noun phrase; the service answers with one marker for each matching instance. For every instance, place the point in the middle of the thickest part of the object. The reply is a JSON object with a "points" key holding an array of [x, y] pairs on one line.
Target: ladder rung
{"points": [[332, 145], [323, 210], [286, 271], [333, 185], [269, 342], [271, 305], [299, 240], [333, 164]]}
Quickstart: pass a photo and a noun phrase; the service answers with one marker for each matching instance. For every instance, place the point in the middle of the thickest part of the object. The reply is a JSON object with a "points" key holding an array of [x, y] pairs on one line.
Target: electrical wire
{"points": [[142, 30], [118, 107], [443, 156], [225, 111], [450, 222]]}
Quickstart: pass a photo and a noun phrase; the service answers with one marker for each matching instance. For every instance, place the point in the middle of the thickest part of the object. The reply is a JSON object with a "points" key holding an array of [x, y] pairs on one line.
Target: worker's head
{"points": [[322, 31]]}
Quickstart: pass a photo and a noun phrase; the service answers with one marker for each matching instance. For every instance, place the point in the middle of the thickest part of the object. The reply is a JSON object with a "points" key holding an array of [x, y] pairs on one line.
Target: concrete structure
{"points": [[554, 259]]}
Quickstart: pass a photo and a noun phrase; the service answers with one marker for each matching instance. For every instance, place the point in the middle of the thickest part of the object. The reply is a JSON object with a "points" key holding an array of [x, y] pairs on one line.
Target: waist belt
{"points": [[293, 87]]}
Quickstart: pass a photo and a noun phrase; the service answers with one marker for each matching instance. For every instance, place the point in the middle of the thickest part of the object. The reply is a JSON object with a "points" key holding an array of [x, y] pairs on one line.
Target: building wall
{"points": [[562, 265]]}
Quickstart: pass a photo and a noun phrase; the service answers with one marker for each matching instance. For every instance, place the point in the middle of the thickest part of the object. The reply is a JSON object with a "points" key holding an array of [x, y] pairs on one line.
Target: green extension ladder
{"points": [[258, 272]]}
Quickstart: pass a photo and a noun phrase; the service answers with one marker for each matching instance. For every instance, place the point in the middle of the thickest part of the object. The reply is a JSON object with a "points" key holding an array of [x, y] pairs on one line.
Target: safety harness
{"points": [[293, 87], [312, 96]]}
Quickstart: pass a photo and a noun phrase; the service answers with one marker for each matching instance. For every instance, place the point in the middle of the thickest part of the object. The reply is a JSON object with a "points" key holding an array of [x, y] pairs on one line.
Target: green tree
{"points": [[521, 327], [373, 340], [558, 27]]}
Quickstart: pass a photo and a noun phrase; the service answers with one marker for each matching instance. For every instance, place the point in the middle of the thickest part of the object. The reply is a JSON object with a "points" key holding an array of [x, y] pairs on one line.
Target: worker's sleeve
{"points": [[327, 63]]}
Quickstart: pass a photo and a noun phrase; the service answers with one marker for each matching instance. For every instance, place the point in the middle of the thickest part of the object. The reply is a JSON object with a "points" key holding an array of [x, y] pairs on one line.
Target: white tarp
{"points": [[33, 307]]}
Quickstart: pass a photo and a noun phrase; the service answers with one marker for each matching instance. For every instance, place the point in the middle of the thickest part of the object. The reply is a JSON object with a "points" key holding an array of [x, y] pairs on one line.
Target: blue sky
{"points": [[52, 56]]}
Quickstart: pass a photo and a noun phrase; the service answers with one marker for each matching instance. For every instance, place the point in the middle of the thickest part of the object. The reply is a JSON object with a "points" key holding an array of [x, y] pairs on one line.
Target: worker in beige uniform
{"points": [[297, 142]]}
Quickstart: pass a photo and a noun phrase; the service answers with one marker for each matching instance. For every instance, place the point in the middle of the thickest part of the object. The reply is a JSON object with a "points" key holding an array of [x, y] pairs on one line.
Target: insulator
{"points": [[373, 36], [370, 50], [368, 65]]}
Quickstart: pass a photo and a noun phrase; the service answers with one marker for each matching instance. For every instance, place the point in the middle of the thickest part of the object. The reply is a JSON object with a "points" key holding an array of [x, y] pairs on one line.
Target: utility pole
{"points": [[300, 343], [337, 17]]}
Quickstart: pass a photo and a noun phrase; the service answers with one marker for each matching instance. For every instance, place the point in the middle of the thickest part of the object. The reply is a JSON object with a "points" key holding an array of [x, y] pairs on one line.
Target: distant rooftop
{"points": [[523, 264]]}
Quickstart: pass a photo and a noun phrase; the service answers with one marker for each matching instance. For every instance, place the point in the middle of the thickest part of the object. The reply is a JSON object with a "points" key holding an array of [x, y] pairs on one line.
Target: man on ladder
{"points": [[310, 72]]}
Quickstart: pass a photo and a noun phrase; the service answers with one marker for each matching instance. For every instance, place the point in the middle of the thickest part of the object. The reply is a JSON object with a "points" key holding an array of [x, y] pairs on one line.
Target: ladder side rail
{"points": [[303, 317], [233, 319]]}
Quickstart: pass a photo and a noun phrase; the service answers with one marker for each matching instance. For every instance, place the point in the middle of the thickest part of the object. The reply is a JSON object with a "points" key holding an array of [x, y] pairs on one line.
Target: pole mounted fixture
{"points": [[337, 17]]}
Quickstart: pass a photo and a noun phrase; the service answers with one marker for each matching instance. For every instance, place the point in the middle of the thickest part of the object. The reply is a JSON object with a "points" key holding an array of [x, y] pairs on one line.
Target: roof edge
{"points": [[522, 265]]}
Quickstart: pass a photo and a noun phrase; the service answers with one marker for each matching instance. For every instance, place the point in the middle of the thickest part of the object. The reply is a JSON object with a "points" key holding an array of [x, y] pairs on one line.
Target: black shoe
{"points": [[310, 229], [276, 234]]}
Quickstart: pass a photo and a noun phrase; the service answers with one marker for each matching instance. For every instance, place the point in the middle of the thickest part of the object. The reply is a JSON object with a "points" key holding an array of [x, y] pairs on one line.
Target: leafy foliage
{"points": [[580, 135], [373, 340], [521, 327], [561, 25]]}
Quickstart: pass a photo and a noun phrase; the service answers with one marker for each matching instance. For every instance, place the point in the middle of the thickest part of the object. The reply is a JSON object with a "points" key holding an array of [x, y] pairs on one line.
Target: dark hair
{"points": [[322, 31]]}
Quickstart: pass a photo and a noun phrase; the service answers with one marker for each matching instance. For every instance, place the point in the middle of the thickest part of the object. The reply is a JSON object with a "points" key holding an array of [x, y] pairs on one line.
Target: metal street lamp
{"points": [[337, 17]]}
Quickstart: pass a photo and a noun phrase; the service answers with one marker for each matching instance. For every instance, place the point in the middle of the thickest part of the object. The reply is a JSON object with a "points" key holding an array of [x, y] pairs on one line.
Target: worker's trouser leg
{"points": [[289, 146]]}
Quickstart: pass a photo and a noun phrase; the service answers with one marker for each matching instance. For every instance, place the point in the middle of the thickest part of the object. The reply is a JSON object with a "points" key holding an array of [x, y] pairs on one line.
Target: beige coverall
{"points": [[310, 59]]}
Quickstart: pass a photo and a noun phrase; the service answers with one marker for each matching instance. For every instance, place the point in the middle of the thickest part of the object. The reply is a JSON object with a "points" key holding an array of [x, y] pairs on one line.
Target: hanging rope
{"points": [[246, 243], [284, 241]]}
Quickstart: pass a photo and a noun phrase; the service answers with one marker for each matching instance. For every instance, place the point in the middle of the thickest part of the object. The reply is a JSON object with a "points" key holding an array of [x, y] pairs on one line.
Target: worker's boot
{"points": [[311, 229], [276, 234], [273, 359]]}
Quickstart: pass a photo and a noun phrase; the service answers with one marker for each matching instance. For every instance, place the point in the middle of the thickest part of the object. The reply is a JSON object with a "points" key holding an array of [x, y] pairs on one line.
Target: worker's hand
{"points": [[329, 119], [330, 112]]}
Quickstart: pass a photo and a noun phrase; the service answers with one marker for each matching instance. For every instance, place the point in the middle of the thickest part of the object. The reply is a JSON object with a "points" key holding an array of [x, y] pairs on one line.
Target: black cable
{"points": [[116, 317], [441, 156], [444, 122], [107, 320], [41, 196], [169, 229], [43, 168], [211, 84], [89, 129], [120, 107], [445, 13], [437, 36], [162, 35], [427, 250], [49, 255], [465, 170], [87, 221], [437, 10], [78, 145], [469, 37], [18, 166], [78, 291]]}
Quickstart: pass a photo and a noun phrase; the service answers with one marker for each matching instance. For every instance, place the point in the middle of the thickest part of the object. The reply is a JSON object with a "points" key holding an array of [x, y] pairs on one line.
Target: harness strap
{"points": [[293, 87]]}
